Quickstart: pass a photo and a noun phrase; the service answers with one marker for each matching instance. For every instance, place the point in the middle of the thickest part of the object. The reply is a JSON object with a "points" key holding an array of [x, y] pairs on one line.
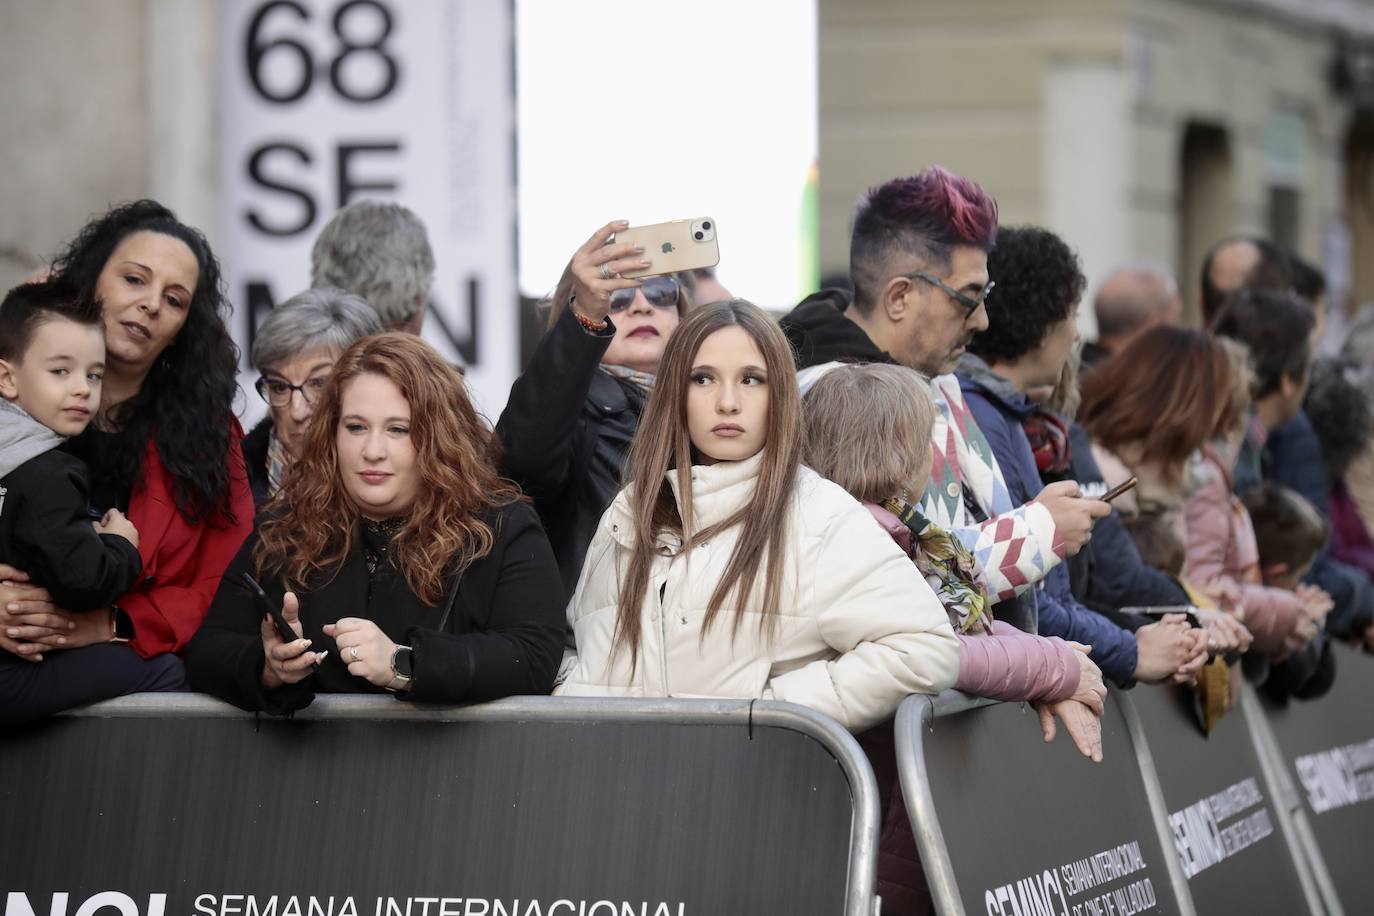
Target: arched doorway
{"points": [[1359, 184], [1205, 204]]}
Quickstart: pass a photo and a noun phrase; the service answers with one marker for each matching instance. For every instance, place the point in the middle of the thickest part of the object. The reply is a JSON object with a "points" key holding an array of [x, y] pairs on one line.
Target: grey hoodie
{"points": [[22, 437]]}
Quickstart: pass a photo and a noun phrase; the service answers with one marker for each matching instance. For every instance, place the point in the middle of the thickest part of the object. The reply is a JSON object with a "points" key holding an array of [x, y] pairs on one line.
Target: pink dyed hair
{"points": [[926, 215], [946, 208]]}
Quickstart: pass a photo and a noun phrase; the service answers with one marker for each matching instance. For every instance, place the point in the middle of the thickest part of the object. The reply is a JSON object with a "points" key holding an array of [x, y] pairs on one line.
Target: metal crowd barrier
{"points": [[1007, 824], [1271, 813], [1323, 753], [178, 805]]}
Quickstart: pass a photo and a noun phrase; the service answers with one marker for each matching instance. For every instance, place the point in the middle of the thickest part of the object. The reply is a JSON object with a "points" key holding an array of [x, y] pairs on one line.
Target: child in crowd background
{"points": [[1289, 533]]}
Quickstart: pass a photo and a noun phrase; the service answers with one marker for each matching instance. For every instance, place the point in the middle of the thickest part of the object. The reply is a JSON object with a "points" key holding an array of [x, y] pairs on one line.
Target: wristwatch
{"points": [[121, 625], [402, 669]]}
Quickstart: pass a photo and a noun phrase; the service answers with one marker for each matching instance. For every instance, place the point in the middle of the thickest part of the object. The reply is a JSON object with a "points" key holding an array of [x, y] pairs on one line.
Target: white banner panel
{"points": [[323, 102]]}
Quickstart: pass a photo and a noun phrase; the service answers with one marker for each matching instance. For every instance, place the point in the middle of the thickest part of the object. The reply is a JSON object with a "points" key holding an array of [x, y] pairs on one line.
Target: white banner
{"points": [[323, 102]]}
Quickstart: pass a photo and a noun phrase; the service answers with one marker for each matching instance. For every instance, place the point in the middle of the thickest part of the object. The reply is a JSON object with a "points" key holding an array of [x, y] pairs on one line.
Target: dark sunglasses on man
{"points": [[970, 303], [660, 292]]}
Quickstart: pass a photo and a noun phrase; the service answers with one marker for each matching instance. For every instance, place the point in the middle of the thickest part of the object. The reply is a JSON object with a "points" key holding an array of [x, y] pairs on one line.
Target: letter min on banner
{"points": [[324, 102]]}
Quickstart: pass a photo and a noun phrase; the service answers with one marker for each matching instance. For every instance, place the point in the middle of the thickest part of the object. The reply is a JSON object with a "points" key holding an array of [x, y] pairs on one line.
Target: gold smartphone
{"points": [[682, 244]]}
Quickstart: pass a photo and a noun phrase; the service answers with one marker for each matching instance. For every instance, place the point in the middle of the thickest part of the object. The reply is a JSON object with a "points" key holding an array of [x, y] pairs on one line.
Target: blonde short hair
{"points": [[868, 429]]}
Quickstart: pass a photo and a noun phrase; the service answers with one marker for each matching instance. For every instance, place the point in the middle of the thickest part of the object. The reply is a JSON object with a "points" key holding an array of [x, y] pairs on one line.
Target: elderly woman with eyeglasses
{"points": [[570, 418], [294, 350]]}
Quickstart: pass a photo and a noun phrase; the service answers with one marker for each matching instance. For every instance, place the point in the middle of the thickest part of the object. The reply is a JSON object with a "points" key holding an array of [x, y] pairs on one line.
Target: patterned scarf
{"points": [[644, 380], [278, 460], [948, 567], [1049, 441]]}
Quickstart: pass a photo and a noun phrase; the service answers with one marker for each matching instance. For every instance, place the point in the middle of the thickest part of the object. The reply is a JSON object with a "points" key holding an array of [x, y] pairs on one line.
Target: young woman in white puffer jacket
{"points": [[739, 572]]}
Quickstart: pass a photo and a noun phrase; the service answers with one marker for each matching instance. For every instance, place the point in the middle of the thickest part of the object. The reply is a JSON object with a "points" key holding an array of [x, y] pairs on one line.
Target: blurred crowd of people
{"points": [[899, 487]]}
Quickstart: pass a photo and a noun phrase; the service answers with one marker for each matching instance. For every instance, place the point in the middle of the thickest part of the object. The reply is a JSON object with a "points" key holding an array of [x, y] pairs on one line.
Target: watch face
{"points": [[123, 625], [401, 661]]}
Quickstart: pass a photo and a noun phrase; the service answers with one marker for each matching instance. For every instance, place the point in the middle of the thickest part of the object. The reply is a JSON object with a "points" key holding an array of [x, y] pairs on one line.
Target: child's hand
{"points": [[1316, 602], [114, 522]]}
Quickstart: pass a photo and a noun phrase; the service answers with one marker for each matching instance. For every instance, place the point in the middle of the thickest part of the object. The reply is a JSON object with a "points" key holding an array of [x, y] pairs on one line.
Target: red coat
{"points": [[182, 563]]}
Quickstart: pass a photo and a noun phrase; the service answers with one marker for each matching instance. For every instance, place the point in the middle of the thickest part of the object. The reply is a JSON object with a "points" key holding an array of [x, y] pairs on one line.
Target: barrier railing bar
{"points": [[913, 716], [860, 899], [1154, 797], [1317, 885]]}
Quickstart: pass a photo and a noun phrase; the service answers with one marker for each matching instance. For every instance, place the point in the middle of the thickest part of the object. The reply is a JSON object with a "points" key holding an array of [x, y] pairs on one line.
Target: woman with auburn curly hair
{"points": [[398, 555]]}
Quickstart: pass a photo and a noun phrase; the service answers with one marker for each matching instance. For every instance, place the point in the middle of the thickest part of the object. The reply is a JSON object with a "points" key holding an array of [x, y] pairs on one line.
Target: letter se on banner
{"points": [[323, 102]]}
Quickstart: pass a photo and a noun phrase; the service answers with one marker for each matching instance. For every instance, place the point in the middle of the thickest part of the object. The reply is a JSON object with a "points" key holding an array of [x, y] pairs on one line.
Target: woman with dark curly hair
{"points": [[163, 448], [394, 543], [1030, 336]]}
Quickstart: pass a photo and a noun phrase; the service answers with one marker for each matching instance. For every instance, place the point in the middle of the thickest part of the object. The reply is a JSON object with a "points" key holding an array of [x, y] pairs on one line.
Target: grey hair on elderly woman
{"points": [[294, 350]]}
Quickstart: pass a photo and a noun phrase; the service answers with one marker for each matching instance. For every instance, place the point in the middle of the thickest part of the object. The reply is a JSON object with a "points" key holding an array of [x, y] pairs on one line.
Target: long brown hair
{"points": [[1164, 395], [311, 523], [662, 444]]}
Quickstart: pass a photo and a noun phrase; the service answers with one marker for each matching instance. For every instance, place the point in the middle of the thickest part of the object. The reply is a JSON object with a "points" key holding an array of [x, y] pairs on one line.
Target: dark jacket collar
{"points": [[975, 375], [820, 333]]}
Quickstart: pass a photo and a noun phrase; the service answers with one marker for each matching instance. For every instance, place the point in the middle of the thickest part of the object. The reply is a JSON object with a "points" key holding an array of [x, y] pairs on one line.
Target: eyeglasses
{"points": [[660, 292], [277, 392], [970, 303]]}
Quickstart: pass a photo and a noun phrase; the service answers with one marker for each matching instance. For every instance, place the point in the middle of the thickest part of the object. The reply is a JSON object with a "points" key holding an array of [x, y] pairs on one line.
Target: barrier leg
{"points": [[1317, 885], [1155, 796], [914, 715]]}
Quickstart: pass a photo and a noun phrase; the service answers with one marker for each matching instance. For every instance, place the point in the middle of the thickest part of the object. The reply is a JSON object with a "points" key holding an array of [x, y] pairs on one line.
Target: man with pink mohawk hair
{"points": [[918, 261]]}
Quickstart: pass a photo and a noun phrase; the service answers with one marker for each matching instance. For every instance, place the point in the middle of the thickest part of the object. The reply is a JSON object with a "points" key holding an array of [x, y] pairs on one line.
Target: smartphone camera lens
{"points": [[698, 236], [706, 225]]}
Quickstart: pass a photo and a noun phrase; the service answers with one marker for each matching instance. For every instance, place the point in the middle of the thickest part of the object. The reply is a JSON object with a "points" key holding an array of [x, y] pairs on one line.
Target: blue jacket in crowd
{"points": [[1000, 409]]}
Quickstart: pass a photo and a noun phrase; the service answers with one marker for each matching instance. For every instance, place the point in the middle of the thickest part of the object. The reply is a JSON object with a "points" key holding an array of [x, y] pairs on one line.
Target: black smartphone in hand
{"points": [[265, 606]]}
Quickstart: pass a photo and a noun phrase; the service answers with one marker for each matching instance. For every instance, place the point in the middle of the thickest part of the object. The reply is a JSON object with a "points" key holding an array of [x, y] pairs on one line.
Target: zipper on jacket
{"points": [[663, 635]]}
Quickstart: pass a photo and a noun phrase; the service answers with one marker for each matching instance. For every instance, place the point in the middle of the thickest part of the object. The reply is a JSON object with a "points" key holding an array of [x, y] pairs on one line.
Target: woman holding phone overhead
{"points": [[397, 555], [571, 415]]}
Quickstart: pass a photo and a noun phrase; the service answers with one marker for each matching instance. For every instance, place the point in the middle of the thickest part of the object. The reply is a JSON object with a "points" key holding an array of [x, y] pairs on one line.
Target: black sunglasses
{"points": [[970, 303], [660, 292]]}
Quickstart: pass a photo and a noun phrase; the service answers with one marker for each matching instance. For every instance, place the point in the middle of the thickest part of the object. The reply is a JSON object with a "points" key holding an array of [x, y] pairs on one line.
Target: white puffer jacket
{"points": [[859, 628]]}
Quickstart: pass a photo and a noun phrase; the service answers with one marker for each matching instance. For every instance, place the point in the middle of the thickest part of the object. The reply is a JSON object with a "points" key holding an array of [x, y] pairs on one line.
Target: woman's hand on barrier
{"points": [[596, 268], [286, 662], [1079, 721], [1091, 692], [1225, 632], [1163, 648], [364, 648], [1189, 670], [1316, 602], [1302, 634]]}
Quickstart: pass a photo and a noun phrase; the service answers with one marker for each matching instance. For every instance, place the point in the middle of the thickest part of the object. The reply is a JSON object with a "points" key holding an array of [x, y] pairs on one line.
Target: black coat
{"points": [[45, 530], [254, 447], [564, 435], [504, 635]]}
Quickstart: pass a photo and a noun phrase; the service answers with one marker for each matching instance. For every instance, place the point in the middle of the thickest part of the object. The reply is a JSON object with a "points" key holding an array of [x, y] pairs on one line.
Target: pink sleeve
{"points": [[1207, 512], [1270, 616], [1011, 665]]}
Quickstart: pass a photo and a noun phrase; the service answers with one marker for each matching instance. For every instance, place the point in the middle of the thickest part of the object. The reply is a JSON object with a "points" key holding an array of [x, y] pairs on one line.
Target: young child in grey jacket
{"points": [[52, 360]]}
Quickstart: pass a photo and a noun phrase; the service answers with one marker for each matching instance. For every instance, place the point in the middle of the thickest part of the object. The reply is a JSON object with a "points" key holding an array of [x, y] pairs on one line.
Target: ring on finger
{"points": [[606, 271], [353, 653]]}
